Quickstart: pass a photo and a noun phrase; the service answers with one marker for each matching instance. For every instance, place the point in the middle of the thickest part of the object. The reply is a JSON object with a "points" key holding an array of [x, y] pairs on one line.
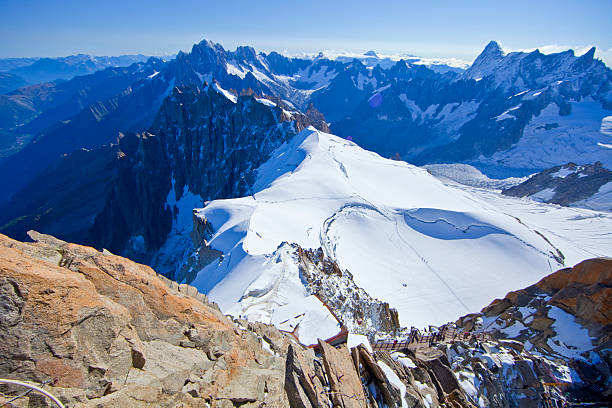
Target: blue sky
{"points": [[437, 28]]}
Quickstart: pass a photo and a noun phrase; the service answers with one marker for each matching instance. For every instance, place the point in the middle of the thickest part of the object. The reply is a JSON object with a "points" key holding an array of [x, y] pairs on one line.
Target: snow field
{"points": [[434, 251]]}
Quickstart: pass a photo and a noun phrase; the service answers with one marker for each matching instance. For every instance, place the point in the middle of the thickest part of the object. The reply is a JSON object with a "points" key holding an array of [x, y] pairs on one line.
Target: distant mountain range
{"points": [[507, 114], [372, 59], [37, 70], [10, 82], [421, 111]]}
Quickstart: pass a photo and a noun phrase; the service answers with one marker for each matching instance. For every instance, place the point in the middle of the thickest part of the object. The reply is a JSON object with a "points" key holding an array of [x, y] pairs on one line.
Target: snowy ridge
{"points": [[441, 248], [233, 98], [519, 70]]}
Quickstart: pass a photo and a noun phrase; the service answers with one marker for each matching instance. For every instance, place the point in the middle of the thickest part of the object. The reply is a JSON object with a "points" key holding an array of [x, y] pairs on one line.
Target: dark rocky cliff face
{"points": [[135, 202], [201, 142], [567, 184], [100, 196], [214, 145]]}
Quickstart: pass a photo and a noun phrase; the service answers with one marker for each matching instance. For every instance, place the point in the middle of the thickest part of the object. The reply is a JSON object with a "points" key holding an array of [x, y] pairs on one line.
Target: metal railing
{"points": [[30, 387], [443, 336]]}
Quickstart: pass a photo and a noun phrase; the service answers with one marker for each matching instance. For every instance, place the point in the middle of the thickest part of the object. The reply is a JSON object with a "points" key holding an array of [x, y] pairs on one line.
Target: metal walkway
{"points": [[417, 339]]}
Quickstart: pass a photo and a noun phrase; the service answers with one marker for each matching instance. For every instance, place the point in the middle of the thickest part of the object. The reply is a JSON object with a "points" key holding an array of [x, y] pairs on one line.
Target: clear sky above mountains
{"points": [[440, 28]]}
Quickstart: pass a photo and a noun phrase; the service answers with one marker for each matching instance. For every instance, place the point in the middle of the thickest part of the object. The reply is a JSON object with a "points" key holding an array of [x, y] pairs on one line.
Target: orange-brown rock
{"points": [[584, 291], [346, 390], [586, 273], [110, 331], [312, 117]]}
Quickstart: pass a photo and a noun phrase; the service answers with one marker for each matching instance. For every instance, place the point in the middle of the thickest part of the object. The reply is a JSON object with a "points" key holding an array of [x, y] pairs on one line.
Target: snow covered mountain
{"points": [[561, 105], [522, 70], [507, 114], [431, 250], [512, 114]]}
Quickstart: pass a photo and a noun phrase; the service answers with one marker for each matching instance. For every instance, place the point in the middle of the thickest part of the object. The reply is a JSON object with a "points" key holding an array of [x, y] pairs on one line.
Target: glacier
{"points": [[433, 250]]}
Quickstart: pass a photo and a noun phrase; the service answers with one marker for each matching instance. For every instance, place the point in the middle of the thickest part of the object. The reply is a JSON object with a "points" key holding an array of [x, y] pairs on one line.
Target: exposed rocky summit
{"points": [[354, 306], [565, 318], [567, 185], [110, 332], [113, 333]]}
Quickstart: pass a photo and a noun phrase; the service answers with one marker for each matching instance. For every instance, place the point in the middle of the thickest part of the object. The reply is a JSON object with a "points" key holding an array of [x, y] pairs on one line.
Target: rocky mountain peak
{"points": [[492, 52], [493, 49], [205, 43], [400, 68], [589, 55], [488, 58], [245, 53], [525, 71], [207, 51]]}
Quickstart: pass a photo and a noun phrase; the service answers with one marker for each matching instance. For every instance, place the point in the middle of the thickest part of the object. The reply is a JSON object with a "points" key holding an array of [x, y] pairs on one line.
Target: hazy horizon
{"points": [[445, 29]]}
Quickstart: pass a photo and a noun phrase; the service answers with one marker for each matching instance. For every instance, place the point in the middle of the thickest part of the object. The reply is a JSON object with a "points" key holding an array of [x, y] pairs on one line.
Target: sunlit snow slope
{"points": [[431, 250]]}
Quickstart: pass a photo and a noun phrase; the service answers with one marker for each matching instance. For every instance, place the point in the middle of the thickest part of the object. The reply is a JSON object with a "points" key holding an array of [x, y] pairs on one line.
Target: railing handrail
{"points": [[444, 335], [35, 388]]}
